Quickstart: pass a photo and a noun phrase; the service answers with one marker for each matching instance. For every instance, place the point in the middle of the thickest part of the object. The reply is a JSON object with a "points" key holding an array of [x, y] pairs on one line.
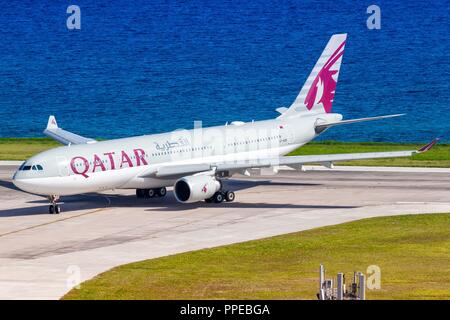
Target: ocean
{"points": [[140, 67]]}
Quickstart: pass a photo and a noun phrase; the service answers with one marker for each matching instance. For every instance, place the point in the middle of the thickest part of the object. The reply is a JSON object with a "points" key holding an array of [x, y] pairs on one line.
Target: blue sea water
{"points": [[139, 67]]}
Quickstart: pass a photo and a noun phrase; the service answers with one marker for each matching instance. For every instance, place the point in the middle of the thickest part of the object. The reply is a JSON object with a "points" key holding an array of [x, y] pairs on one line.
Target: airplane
{"points": [[196, 161]]}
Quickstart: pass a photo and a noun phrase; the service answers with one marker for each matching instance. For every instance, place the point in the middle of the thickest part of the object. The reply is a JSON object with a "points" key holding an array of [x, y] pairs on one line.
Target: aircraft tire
{"points": [[161, 192], [140, 193], [230, 196], [219, 197], [150, 193]]}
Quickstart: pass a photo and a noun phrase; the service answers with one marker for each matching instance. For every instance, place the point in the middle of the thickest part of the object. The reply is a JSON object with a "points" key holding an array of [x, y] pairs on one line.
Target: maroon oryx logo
{"points": [[325, 80]]}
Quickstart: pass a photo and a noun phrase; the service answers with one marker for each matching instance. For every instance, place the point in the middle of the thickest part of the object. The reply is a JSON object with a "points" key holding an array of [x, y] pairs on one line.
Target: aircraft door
{"points": [[63, 166]]}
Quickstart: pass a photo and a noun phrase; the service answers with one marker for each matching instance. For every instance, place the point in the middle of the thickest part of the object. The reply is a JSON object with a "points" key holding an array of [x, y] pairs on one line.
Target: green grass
{"points": [[439, 156], [23, 148], [413, 252]]}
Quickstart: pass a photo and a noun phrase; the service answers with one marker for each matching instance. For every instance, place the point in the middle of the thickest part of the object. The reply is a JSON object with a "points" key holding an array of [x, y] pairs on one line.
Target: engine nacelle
{"points": [[195, 188]]}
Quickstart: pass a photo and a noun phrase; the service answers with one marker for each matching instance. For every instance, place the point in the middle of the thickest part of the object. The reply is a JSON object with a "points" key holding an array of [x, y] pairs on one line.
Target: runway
{"points": [[42, 255]]}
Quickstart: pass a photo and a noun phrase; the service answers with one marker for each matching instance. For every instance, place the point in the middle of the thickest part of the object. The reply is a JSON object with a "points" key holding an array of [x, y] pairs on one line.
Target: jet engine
{"points": [[195, 188]]}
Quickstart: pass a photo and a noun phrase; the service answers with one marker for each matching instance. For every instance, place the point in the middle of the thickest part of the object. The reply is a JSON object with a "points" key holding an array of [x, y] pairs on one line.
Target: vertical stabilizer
{"points": [[317, 93]]}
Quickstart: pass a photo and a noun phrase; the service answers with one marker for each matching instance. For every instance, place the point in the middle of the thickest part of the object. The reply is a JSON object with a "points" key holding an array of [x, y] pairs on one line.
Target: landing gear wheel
{"points": [[54, 209], [162, 192], [209, 200], [150, 193], [218, 197], [140, 193], [230, 196]]}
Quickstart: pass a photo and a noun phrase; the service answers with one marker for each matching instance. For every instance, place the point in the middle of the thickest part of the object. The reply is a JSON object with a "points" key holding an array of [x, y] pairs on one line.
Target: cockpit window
{"points": [[35, 167]]}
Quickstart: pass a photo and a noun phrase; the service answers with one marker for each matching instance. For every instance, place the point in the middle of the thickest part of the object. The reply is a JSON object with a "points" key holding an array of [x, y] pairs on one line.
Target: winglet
{"points": [[51, 124], [428, 146]]}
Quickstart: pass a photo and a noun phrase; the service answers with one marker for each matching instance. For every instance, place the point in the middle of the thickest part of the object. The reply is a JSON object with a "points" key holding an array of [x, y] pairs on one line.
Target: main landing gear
{"points": [[54, 207], [151, 193], [221, 196]]}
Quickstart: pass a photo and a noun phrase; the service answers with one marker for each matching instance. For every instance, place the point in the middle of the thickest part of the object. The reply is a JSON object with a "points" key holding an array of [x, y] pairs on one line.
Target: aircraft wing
{"points": [[63, 136], [293, 161]]}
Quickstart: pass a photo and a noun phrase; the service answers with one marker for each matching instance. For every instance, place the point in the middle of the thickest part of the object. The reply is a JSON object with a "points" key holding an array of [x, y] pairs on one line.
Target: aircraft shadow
{"points": [[8, 184], [237, 185], [168, 203], [157, 204], [175, 206]]}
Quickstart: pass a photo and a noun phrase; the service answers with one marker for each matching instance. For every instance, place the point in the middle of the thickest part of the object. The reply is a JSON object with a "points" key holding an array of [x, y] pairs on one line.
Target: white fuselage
{"points": [[124, 163]]}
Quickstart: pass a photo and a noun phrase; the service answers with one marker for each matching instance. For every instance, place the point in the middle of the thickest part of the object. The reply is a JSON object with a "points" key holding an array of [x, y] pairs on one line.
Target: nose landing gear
{"points": [[54, 207]]}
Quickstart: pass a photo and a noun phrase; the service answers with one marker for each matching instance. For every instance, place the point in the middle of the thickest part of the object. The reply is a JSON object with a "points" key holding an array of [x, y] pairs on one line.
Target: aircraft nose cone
{"points": [[16, 181], [23, 184]]}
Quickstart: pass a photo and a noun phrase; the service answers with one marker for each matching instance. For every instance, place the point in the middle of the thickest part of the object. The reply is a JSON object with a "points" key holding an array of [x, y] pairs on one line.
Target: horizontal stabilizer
{"points": [[281, 110], [322, 126], [63, 136]]}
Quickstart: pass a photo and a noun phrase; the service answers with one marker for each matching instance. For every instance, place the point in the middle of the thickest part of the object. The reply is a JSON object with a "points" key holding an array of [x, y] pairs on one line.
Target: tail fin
{"points": [[318, 91]]}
